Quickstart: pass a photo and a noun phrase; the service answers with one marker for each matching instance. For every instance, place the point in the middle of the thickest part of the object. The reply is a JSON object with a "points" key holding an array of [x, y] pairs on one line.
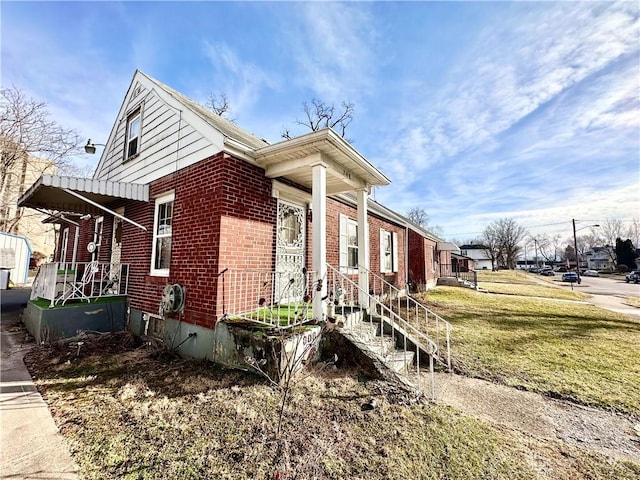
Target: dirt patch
{"points": [[610, 433]]}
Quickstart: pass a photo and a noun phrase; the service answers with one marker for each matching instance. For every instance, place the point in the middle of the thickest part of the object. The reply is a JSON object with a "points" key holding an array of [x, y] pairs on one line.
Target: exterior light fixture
{"points": [[90, 147]]}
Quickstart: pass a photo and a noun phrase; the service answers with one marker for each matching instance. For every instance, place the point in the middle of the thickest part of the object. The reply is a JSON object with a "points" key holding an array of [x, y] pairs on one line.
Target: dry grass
{"points": [[632, 301], [563, 349], [131, 413]]}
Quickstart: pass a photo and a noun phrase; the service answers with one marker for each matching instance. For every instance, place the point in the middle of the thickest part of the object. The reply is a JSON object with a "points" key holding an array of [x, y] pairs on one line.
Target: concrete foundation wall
{"points": [[50, 324]]}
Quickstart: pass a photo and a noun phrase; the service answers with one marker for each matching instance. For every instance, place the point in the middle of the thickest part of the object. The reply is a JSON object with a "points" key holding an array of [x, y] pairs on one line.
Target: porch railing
{"points": [[278, 299], [453, 270], [61, 282]]}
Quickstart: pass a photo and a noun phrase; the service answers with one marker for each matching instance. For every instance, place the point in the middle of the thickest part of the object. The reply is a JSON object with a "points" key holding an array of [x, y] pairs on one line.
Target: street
{"points": [[602, 286]]}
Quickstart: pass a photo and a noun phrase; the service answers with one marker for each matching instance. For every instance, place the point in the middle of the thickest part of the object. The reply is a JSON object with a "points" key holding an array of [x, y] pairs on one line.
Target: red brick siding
{"points": [[421, 250], [334, 209]]}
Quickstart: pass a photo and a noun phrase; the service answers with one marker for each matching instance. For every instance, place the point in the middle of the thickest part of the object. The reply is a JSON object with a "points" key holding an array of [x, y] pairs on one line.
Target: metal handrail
{"points": [[420, 312], [419, 338]]}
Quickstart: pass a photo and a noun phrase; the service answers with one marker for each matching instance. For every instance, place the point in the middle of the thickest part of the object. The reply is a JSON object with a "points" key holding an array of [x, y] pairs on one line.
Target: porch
{"points": [[60, 283]]}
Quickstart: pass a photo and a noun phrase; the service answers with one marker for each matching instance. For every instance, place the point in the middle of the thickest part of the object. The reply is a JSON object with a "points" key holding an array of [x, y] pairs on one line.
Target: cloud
{"points": [[243, 82], [514, 69], [333, 49]]}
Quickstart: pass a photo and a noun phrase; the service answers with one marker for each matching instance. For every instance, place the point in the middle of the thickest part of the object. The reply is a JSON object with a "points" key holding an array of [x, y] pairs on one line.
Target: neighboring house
{"points": [[478, 253], [17, 176], [182, 196], [599, 258]]}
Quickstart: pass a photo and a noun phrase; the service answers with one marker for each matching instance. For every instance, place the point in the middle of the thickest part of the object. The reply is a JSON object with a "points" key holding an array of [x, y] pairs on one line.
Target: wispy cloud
{"points": [[242, 81], [332, 47], [534, 114], [514, 70]]}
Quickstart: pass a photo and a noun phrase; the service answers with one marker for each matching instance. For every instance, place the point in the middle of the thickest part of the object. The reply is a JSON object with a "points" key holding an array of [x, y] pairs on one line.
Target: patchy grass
{"points": [[506, 276], [632, 301], [533, 290], [128, 413], [563, 349], [517, 282]]}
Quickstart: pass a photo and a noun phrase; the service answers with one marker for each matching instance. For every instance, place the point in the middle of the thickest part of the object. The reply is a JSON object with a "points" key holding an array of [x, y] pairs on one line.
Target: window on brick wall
{"points": [[161, 252], [348, 242], [388, 251], [134, 124]]}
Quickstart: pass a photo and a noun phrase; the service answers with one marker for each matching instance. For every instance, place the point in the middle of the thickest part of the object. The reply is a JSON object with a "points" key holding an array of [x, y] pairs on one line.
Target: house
{"points": [[19, 171], [599, 258], [478, 253], [195, 222]]}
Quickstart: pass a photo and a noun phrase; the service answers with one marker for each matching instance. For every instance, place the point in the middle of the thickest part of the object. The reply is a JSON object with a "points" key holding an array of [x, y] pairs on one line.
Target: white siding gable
{"points": [[172, 137]]}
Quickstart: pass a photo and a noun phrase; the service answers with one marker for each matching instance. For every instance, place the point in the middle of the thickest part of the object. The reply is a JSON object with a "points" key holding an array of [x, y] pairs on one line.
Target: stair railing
{"points": [[351, 292], [436, 328]]}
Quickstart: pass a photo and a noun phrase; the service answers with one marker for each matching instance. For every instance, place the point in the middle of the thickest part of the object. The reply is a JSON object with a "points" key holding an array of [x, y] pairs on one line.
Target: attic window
{"points": [[133, 134]]}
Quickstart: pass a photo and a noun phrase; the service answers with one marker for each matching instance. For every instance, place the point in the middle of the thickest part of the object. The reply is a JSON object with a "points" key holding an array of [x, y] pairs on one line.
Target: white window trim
{"points": [[344, 245], [167, 197], [394, 251], [131, 116]]}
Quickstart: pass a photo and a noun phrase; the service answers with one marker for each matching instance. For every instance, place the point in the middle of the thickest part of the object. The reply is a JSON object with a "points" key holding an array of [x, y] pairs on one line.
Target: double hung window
{"points": [[162, 230]]}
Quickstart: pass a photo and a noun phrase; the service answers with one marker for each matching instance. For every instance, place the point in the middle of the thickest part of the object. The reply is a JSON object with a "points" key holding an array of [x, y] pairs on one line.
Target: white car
{"points": [[590, 273]]}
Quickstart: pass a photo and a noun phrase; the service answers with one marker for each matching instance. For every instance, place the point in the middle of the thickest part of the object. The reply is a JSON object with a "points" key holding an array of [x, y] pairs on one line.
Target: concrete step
{"points": [[400, 361], [383, 346], [366, 331]]}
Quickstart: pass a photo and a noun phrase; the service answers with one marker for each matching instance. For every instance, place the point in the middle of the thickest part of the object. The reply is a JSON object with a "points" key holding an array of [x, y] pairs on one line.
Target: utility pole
{"points": [[575, 245]]}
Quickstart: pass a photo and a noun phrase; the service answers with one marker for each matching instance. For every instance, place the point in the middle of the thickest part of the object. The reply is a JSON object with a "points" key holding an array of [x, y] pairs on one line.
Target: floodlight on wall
{"points": [[91, 147]]}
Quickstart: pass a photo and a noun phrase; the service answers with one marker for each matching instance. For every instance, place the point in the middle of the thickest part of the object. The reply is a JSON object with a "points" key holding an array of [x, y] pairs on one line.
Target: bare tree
{"points": [[547, 246], [418, 216], [219, 104], [634, 232], [610, 230], [30, 143], [323, 115], [502, 240]]}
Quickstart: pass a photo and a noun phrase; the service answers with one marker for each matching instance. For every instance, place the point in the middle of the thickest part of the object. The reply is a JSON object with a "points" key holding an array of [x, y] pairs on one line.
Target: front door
{"points": [[115, 267], [290, 281]]}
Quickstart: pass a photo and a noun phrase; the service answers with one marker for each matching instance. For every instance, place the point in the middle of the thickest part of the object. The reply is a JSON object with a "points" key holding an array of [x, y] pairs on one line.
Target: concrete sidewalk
{"points": [[30, 445]]}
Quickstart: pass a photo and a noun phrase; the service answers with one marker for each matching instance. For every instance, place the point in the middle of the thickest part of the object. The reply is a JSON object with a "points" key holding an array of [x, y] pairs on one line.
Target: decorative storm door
{"points": [[289, 284], [113, 286]]}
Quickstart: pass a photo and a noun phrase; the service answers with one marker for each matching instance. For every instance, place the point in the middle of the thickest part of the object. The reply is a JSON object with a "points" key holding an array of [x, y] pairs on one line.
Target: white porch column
{"points": [[319, 240], [363, 245]]}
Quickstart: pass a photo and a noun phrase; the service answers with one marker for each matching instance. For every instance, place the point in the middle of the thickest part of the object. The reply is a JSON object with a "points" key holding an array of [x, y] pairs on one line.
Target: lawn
{"points": [[564, 349], [129, 412], [511, 282]]}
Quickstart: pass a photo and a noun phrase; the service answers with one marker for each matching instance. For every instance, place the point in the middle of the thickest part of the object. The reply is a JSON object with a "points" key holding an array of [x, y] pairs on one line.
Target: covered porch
{"points": [[325, 163]]}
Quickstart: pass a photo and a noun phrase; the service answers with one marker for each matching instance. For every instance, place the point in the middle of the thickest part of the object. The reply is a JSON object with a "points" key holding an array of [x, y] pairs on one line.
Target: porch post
{"points": [[363, 247], [319, 240]]}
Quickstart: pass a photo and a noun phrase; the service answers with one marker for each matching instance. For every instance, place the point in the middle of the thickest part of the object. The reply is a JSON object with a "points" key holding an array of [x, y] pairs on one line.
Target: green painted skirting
{"points": [[49, 324]]}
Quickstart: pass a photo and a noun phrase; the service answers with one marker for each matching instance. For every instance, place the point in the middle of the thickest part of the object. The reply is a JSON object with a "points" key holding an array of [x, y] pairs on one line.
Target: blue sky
{"points": [[476, 111]]}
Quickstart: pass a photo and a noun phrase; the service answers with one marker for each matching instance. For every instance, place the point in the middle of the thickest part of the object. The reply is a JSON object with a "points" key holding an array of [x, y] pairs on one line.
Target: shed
{"points": [[15, 255]]}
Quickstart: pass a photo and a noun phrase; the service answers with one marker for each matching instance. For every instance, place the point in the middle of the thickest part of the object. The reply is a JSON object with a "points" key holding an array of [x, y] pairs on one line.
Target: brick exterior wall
{"points": [[421, 250], [224, 216], [334, 209]]}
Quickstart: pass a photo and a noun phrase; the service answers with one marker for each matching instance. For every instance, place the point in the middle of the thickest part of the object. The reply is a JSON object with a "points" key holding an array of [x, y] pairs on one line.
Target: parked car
{"points": [[570, 277], [590, 273], [632, 276], [548, 272], [561, 269]]}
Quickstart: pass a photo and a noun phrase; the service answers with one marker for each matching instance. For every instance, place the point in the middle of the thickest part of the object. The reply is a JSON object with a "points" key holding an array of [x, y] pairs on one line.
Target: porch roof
{"points": [[447, 247], [79, 195], [347, 169]]}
